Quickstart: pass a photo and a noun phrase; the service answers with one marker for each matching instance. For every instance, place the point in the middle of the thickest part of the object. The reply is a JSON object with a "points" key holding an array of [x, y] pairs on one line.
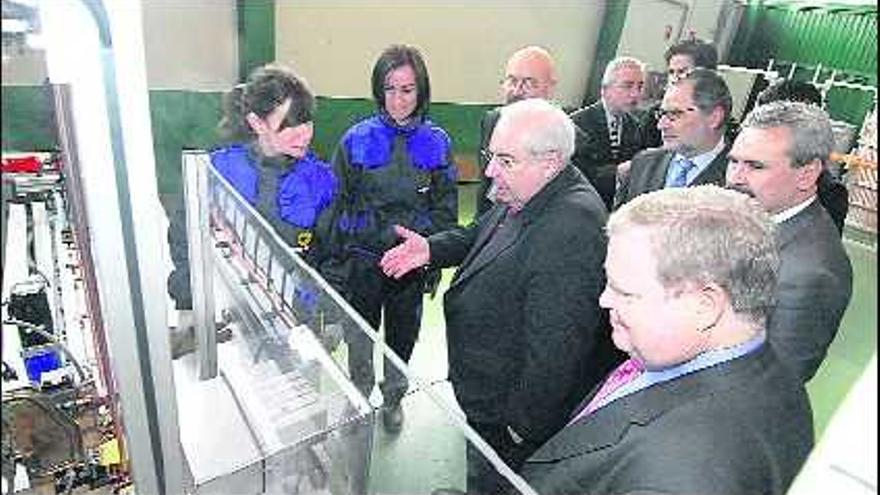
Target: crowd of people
{"points": [[641, 296]]}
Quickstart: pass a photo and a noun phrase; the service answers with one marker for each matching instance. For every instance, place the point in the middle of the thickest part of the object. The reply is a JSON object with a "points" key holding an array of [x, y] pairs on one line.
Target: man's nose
{"points": [[734, 173], [491, 168], [663, 122]]}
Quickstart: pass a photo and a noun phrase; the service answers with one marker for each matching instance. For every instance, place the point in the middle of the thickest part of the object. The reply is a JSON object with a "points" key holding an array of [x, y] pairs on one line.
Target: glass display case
{"points": [[265, 403]]}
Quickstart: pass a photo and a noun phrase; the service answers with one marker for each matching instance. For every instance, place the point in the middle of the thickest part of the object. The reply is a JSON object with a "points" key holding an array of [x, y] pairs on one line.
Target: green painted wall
{"points": [[188, 120], [28, 124], [609, 39], [256, 34], [837, 37]]}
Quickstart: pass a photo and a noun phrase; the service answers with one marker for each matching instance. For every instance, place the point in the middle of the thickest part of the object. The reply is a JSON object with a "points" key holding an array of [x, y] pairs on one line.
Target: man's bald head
{"points": [[530, 73]]}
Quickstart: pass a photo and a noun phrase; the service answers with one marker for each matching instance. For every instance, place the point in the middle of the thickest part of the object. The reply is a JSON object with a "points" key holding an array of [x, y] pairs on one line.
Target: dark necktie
{"points": [[682, 167]]}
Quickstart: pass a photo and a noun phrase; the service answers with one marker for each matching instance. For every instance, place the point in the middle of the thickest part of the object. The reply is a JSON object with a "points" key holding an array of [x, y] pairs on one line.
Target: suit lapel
{"points": [[602, 123], [716, 171], [474, 260], [788, 230], [477, 259], [658, 178]]}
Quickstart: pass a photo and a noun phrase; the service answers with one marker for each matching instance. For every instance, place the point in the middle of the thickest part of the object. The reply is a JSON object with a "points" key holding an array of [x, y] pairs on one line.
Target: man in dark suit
{"points": [[703, 405], [525, 332], [614, 133], [530, 73], [778, 158], [692, 121]]}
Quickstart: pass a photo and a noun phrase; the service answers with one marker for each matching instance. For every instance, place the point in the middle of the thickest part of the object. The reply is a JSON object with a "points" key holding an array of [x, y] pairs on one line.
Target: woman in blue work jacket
{"points": [[395, 168], [268, 125]]}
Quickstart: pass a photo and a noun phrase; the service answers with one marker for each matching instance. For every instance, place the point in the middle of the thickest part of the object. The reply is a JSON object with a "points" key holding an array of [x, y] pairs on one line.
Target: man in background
{"points": [[777, 158], [615, 134], [681, 58], [692, 120], [530, 73], [703, 405]]}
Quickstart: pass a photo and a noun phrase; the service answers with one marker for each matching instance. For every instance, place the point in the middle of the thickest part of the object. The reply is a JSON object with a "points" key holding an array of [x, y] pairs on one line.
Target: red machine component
{"points": [[26, 164]]}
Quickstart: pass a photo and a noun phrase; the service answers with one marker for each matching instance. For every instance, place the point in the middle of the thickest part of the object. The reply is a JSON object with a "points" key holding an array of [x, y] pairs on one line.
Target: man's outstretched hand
{"points": [[412, 253]]}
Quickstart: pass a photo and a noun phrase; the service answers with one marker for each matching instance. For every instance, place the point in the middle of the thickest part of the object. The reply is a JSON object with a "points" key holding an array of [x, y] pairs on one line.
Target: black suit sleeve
{"points": [[450, 248]]}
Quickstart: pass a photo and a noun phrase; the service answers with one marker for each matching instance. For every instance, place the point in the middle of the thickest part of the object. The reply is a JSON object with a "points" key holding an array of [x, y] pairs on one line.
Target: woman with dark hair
{"points": [[268, 125], [395, 168], [267, 129]]}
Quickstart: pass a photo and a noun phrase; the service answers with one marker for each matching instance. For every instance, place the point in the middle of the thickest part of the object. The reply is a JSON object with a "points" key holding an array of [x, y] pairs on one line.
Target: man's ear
{"points": [[717, 117], [552, 164], [255, 122], [711, 302], [807, 176]]}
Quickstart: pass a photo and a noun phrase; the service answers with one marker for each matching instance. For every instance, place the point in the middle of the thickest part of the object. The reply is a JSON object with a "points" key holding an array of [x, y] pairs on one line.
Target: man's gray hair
{"points": [[707, 234], [811, 135], [550, 129], [610, 75]]}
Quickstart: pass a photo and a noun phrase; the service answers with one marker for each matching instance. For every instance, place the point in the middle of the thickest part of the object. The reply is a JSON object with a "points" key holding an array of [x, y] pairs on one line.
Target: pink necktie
{"points": [[628, 371]]}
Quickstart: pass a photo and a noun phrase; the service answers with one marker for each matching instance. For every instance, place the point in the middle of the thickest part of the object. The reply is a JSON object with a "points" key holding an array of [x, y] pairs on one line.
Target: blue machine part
{"points": [[41, 361]]}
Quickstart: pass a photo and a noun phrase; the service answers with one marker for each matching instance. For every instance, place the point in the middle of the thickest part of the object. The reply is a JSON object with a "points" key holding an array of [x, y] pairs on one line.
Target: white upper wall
{"points": [[334, 43], [653, 25], [24, 66], [191, 44]]}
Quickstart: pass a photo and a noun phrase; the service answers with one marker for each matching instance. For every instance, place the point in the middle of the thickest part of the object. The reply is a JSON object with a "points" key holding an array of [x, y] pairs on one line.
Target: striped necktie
{"points": [[683, 166], [614, 137]]}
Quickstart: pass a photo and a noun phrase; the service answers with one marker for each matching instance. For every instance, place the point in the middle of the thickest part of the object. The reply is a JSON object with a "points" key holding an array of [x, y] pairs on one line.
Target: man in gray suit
{"points": [[692, 121], [615, 134], [526, 336], [703, 405], [778, 158]]}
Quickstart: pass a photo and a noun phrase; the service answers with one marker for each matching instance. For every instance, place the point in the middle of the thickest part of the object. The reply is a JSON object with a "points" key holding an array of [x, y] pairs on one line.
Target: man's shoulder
{"points": [[651, 155], [810, 231], [576, 203], [809, 243], [588, 115]]}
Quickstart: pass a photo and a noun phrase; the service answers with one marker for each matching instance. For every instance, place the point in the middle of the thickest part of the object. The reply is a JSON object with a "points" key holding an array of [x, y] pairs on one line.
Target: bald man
{"points": [[530, 73]]}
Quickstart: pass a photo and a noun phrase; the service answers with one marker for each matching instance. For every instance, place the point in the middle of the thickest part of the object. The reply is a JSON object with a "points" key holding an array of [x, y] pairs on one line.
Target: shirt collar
{"points": [[708, 358], [791, 212], [609, 116], [704, 360]]}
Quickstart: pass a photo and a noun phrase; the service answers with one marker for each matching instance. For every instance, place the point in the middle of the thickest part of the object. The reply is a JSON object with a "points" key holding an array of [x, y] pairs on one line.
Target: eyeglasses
{"points": [[672, 114], [676, 74], [506, 161], [524, 83], [629, 85]]}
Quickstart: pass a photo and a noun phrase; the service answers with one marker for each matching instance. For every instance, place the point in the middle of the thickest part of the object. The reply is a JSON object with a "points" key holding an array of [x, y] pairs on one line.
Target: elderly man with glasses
{"points": [[692, 120], [525, 332]]}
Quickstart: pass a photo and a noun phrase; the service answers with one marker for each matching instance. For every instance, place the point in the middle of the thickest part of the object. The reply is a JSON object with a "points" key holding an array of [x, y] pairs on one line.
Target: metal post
{"points": [[200, 262]]}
